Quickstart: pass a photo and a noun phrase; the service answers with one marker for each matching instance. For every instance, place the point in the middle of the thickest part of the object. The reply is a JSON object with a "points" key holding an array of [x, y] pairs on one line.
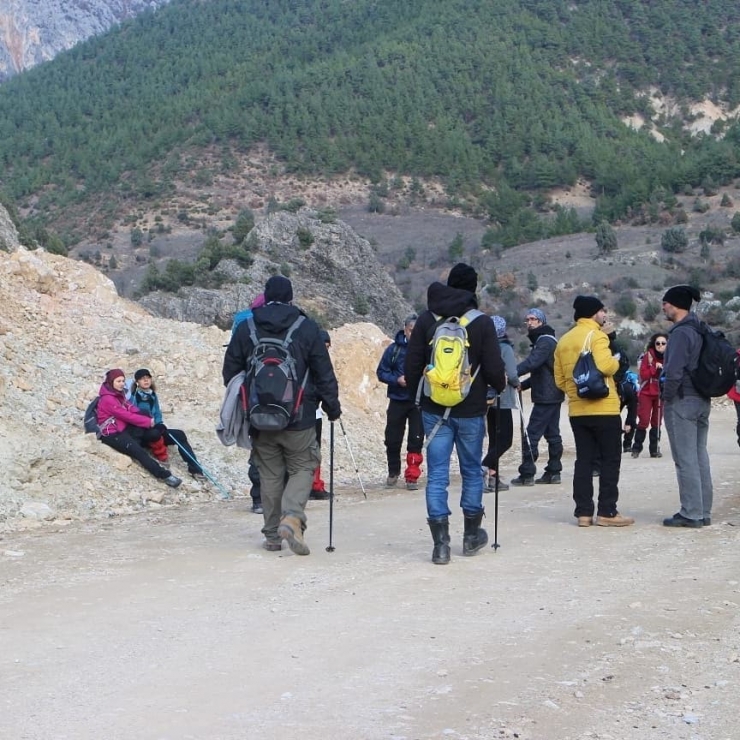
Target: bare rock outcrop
{"points": [[336, 277], [62, 326], [9, 241]]}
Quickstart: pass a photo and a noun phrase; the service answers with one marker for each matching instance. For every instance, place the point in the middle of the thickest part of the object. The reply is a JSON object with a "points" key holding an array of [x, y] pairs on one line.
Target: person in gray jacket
{"points": [[544, 420], [686, 411], [499, 443]]}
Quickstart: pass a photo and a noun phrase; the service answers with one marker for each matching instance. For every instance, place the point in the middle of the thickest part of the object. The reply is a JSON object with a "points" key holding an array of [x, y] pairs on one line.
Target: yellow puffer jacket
{"points": [[566, 355]]}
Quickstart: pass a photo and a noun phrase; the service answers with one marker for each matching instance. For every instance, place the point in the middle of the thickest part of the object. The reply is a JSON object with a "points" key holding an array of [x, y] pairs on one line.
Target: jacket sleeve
{"points": [[557, 370], [675, 363], [510, 366], [492, 366], [606, 363], [385, 372], [237, 353], [323, 377], [540, 354], [416, 352], [127, 413]]}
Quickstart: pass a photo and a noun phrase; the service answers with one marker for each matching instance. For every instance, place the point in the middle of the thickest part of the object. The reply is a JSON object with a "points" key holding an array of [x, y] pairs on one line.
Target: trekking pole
{"points": [[222, 491], [524, 433], [354, 462], [497, 427], [660, 421], [330, 547]]}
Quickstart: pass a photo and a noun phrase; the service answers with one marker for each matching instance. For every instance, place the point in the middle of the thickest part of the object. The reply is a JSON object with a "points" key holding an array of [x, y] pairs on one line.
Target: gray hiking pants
{"points": [[274, 454], [687, 424]]}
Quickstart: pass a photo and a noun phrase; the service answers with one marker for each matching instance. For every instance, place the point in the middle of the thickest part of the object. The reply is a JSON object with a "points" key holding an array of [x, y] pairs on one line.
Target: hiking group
{"points": [[452, 377]]}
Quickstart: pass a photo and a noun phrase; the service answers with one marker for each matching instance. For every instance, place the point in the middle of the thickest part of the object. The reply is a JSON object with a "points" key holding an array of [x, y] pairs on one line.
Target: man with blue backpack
{"points": [[288, 372], [453, 356]]}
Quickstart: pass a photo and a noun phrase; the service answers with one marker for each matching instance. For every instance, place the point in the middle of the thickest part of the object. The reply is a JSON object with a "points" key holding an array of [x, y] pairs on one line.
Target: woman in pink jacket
{"points": [[649, 406], [125, 428], [734, 396]]}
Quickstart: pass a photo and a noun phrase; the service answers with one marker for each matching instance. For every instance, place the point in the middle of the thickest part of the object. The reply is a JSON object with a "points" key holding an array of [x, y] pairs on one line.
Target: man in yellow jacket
{"points": [[596, 424]]}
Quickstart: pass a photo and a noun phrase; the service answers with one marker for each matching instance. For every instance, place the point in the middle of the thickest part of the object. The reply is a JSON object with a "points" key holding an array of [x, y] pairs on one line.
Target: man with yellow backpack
{"points": [[453, 356]]}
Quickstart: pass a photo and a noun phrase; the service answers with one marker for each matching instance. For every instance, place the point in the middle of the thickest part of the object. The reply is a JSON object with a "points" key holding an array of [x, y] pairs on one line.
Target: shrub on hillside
{"points": [[674, 239], [606, 238], [625, 306]]}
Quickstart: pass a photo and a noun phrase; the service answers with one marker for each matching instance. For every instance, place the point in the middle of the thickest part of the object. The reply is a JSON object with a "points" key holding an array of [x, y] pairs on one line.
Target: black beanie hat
{"points": [[681, 296], [464, 277], [143, 373], [586, 306], [278, 289]]}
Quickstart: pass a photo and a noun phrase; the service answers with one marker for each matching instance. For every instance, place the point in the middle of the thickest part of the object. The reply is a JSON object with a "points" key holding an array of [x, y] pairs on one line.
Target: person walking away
{"points": [[126, 429], [144, 397], [499, 444], [461, 426], [596, 424], [402, 412], [292, 449], [544, 420], [686, 411], [649, 404], [318, 487]]}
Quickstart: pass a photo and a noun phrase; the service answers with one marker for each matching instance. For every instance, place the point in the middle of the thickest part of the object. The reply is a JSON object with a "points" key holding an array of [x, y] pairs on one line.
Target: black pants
{"points": [[177, 437], [544, 421], [129, 442], [498, 444], [397, 415], [597, 438]]}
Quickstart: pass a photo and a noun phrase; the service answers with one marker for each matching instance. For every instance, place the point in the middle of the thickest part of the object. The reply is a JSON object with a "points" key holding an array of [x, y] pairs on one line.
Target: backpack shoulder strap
{"points": [[252, 330], [470, 316], [293, 328]]}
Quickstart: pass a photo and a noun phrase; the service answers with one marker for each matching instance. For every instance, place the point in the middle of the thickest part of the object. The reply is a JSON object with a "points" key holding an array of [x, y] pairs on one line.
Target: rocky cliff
{"points": [[8, 233], [62, 326], [34, 31], [336, 277]]}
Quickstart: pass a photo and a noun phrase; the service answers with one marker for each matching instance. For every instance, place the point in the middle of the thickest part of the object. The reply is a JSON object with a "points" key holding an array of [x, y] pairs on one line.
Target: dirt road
{"points": [[176, 625]]}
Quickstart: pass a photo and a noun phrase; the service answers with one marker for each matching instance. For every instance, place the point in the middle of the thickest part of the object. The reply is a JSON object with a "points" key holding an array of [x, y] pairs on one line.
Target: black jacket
{"points": [[539, 365], [484, 351], [308, 348]]}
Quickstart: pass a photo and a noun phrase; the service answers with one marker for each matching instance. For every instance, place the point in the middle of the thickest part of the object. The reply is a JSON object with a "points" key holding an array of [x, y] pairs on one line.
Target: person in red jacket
{"points": [[649, 406], [126, 429], [734, 396]]}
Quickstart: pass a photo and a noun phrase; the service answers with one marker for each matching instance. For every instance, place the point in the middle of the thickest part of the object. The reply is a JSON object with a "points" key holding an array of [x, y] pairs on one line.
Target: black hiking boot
{"points": [[653, 444], [474, 537], [678, 520], [440, 529]]}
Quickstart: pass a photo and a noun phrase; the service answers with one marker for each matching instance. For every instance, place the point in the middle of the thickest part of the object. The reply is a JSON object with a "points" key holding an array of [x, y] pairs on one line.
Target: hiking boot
{"points": [[522, 480], [706, 521], [440, 530], [172, 481], [491, 486], [614, 521], [656, 454], [318, 495], [677, 520], [291, 529], [635, 453], [272, 545], [412, 485], [549, 478], [585, 521], [256, 507], [474, 537], [390, 481]]}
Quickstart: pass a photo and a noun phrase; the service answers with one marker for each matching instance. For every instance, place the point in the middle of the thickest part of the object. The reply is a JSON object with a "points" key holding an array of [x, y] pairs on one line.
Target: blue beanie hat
{"points": [[500, 323], [538, 314]]}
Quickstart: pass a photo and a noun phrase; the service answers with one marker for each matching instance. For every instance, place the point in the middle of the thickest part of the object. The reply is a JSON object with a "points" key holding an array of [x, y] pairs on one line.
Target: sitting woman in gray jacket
{"points": [[501, 435]]}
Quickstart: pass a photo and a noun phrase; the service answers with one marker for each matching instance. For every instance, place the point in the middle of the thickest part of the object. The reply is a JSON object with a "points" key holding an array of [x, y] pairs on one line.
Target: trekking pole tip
{"points": [[495, 546], [330, 548]]}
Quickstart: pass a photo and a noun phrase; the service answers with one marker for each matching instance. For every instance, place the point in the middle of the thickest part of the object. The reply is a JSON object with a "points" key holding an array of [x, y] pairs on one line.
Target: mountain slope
{"points": [[32, 32], [524, 95]]}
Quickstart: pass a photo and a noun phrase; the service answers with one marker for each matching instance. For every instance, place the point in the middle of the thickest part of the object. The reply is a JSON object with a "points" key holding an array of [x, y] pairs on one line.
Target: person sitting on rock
{"points": [[144, 397], [127, 429]]}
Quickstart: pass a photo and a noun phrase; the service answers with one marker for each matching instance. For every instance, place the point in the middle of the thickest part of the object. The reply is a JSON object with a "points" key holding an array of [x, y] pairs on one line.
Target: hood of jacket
{"points": [[400, 339], [276, 318], [535, 334], [445, 301]]}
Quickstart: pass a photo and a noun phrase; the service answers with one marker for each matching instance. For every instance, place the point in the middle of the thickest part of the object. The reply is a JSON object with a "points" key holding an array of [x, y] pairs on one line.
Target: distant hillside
{"points": [[500, 100], [32, 32]]}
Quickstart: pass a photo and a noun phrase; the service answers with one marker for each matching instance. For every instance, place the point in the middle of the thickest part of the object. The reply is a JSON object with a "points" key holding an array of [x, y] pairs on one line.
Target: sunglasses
{"points": [[660, 344]]}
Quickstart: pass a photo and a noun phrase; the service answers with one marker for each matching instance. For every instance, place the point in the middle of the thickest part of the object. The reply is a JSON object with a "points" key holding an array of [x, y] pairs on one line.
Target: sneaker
{"points": [[173, 481], [256, 507], [412, 485], [549, 478], [635, 453], [677, 520], [521, 480], [491, 486], [390, 481], [585, 521], [291, 529], [318, 495], [272, 545], [614, 521]]}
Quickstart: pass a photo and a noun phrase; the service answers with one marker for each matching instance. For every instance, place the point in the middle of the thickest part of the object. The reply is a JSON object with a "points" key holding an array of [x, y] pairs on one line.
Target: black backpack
{"points": [[91, 418], [717, 369], [273, 393]]}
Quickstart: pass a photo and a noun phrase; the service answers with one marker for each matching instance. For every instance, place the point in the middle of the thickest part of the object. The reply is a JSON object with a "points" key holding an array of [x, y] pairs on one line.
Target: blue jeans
{"points": [[466, 435]]}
